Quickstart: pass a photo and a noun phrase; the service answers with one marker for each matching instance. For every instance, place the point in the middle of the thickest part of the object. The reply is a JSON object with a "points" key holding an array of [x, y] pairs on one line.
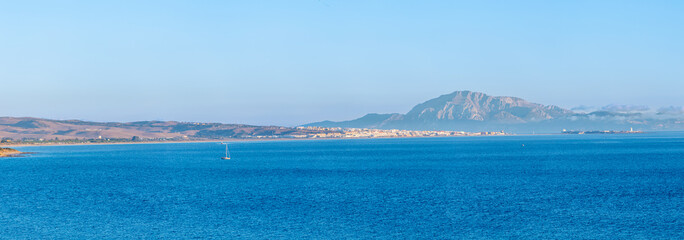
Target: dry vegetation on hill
{"points": [[4, 152], [36, 128]]}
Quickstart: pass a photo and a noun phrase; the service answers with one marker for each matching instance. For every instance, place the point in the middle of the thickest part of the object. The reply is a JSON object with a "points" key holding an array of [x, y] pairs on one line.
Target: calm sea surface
{"points": [[572, 186]]}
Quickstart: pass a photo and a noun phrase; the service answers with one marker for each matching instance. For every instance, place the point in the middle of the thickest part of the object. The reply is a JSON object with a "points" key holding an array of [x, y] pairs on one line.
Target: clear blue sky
{"points": [[293, 62]]}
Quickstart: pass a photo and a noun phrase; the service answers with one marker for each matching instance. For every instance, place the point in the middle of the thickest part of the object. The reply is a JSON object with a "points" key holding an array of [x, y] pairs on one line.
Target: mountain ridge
{"points": [[476, 111], [468, 105]]}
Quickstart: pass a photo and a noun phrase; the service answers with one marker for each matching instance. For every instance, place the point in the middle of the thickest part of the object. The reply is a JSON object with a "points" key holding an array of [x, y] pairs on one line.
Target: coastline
{"points": [[9, 152], [5, 145], [230, 140], [109, 143]]}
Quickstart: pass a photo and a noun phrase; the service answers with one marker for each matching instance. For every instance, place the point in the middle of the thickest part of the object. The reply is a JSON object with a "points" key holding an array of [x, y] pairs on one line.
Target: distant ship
{"points": [[599, 132], [227, 157]]}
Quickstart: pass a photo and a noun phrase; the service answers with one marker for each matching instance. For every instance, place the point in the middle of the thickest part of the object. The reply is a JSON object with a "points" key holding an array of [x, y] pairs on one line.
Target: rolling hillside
{"points": [[37, 128]]}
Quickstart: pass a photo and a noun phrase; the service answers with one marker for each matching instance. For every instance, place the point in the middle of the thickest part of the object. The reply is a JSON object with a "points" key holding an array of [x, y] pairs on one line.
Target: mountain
{"points": [[38, 128], [475, 111], [475, 106]]}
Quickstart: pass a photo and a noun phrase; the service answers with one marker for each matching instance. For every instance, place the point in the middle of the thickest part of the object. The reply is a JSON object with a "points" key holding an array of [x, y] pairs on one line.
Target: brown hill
{"points": [[37, 128], [4, 152]]}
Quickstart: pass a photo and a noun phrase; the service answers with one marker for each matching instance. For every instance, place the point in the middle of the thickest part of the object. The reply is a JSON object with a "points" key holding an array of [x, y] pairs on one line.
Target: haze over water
{"points": [[601, 186]]}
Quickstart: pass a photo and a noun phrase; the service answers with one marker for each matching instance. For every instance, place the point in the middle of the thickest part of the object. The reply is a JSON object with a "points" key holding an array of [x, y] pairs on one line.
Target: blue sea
{"points": [[556, 186]]}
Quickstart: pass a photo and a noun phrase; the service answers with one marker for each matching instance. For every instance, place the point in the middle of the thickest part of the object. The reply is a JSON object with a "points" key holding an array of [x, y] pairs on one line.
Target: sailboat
{"points": [[227, 157]]}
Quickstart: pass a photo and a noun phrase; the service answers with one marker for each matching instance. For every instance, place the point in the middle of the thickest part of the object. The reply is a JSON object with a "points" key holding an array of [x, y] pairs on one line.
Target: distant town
{"points": [[337, 132]]}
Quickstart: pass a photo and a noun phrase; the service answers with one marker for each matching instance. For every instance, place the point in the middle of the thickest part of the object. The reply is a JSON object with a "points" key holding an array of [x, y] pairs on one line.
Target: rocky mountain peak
{"points": [[476, 106]]}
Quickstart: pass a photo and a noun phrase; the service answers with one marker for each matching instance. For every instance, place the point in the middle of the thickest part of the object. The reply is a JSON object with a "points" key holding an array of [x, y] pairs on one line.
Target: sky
{"points": [[295, 62]]}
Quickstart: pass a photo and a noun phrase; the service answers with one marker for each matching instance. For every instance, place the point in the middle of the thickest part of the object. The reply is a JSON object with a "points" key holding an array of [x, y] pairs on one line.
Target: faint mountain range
{"points": [[38, 128], [457, 111], [475, 111]]}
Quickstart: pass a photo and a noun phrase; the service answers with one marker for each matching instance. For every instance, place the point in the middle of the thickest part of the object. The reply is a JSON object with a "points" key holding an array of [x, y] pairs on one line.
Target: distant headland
{"points": [[476, 111]]}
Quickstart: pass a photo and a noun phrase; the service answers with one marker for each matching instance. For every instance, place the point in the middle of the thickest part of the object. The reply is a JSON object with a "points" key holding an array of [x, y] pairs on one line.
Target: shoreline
{"points": [[232, 140], [267, 139], [9, 152]]}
